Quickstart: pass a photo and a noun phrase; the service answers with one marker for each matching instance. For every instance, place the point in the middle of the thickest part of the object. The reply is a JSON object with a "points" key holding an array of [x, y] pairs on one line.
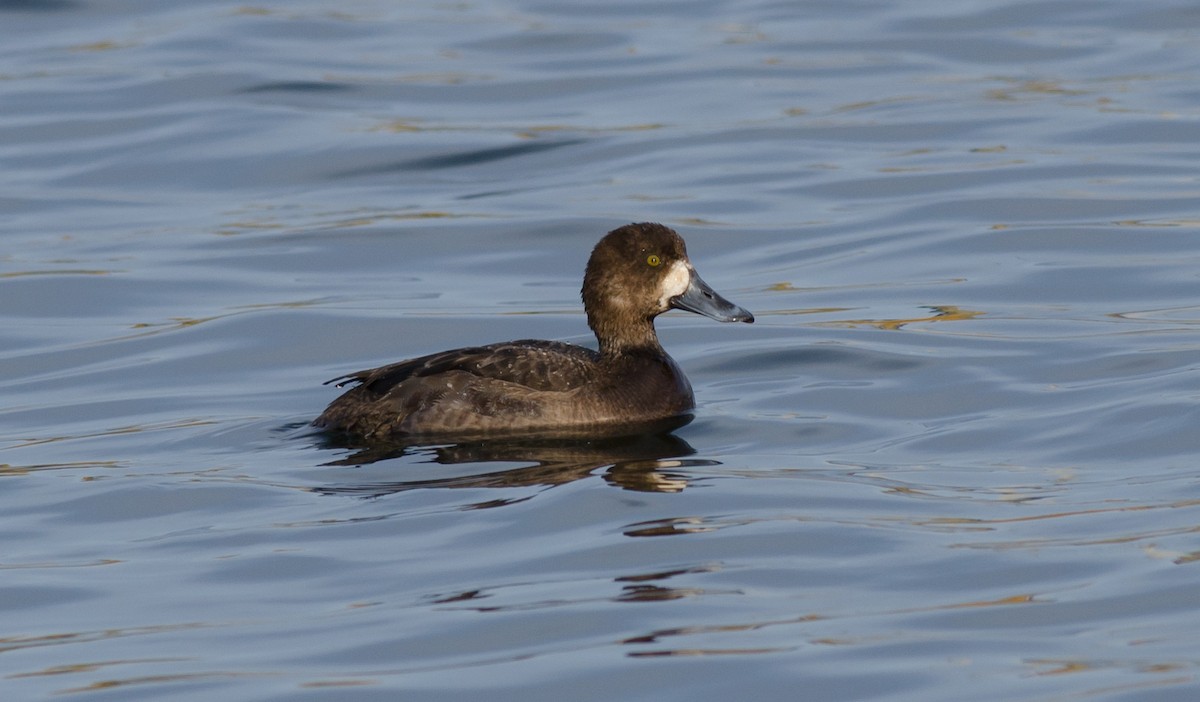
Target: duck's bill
{"points": [[701, 299]]}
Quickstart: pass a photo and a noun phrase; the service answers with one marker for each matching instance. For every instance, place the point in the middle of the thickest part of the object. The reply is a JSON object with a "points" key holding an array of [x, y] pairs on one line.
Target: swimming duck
{"points": [[634, 274]]}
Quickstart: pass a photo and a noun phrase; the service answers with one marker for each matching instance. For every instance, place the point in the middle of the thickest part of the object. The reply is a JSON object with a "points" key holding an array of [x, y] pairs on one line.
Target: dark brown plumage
{"points": [[634, 274]]}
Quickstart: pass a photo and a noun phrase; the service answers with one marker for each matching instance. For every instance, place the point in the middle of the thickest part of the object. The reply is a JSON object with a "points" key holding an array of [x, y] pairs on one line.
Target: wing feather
{"points": [[532, 363]]}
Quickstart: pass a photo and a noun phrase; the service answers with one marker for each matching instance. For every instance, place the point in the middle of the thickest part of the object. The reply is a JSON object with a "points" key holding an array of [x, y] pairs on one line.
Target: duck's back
{"points": [[465, 389]]}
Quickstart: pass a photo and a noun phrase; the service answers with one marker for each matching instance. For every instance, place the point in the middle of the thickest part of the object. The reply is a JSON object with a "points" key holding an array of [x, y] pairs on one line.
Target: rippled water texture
{"points": [[955, 458]]}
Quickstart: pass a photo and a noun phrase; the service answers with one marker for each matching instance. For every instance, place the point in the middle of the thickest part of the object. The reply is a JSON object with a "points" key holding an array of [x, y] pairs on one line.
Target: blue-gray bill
{"points": [[702, 299]]}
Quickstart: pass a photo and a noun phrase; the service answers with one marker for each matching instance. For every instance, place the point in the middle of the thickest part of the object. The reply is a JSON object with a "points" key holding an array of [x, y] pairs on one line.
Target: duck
{"points": [[540, 387]]}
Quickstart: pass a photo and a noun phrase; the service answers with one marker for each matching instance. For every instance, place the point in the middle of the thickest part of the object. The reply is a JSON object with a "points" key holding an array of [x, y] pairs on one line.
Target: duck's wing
{"points": [[531, 363]]}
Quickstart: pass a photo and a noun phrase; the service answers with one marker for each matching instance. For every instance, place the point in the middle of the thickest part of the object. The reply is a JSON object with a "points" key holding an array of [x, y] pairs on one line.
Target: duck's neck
{"points": [[619, 340]]}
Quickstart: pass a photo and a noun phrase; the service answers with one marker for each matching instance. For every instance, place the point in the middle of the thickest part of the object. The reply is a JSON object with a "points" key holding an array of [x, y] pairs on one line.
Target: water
{"points": [[955, 458]]}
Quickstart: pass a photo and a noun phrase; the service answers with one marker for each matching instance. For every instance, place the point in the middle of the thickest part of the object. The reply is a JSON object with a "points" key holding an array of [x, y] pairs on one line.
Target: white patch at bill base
{"points": [[674, 283]]}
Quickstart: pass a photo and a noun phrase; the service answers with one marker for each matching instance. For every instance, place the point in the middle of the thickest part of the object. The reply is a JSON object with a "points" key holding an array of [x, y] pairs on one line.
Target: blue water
{"points": [[954, 458]]}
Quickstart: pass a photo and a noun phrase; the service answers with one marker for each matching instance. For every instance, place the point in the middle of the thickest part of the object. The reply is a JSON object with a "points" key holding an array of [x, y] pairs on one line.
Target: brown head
{"points": [[636, 273]]}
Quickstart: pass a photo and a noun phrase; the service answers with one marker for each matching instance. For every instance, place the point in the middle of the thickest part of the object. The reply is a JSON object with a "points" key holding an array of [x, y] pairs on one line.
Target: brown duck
{"points": [[635, 273]]}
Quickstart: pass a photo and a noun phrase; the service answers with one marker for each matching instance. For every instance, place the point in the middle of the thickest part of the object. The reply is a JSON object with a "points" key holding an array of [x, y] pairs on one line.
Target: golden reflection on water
{"points": [[42, 566], [116, 431], [1174, 315], [161, 679], [318, 684], [58, 271], [73, 668], [660, 636], [326, 221], [13, 643], [106, 45], [1176, 557], [524, 132], [1048, 667], [1022, 89], [176, 323], [1190, 223], [7, 469], [941, 313]]}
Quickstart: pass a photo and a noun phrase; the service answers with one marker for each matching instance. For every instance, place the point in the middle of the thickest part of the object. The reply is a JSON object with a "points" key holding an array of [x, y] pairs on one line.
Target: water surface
{"points": [[955, 457]]}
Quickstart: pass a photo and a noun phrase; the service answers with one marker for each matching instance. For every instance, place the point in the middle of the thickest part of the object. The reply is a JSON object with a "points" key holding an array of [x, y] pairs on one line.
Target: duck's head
{"points": [[639, 271]]}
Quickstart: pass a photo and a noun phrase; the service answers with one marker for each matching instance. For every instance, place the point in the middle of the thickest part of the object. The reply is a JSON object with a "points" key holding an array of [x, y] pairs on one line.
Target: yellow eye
{"points": [[653, 260]]}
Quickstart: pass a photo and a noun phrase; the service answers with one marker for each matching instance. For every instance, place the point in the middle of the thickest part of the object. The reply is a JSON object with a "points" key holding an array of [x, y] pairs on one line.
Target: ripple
{"points": [[957, 446]]}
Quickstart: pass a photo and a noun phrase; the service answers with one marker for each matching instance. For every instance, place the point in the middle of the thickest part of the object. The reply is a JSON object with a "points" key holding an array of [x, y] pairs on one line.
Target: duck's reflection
{"points": [[643, 462]]}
